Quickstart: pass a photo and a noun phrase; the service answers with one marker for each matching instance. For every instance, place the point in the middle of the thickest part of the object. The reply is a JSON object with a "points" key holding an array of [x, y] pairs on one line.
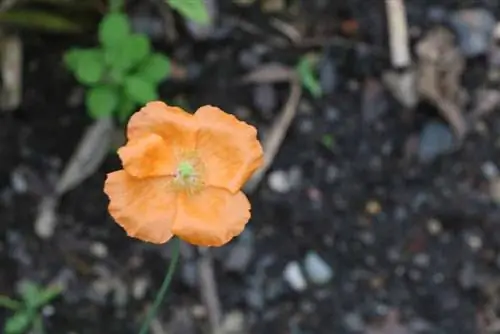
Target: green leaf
{"points": [[18, 323], [140, 90], [39, 20], [155, 68], [194, 10], [101, 101], [71, 58], [305, 70], [126, 108], [138, 47], [113, 29], [47, 295], [89, 66], [129, 53], [30, 293]]}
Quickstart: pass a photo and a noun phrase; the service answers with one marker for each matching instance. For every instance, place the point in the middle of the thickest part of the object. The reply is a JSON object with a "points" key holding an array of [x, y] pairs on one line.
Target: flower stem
{"points": [[164, 286]]}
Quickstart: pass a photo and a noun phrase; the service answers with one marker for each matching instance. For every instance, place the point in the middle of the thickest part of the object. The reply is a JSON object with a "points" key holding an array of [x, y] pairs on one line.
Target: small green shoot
{"points": [[120, 74], [193, 10], [306, 71], [27, 313], [328, 141]]}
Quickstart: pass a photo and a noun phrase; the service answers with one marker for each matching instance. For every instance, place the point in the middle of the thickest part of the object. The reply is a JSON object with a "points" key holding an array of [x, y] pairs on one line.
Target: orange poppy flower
{"points": [[182, 175]]}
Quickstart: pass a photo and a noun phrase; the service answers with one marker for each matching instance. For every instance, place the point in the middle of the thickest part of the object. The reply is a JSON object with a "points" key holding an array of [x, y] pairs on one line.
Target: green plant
{"points": [[306, 71], [194, 10], [27, 311], [121, 73]]}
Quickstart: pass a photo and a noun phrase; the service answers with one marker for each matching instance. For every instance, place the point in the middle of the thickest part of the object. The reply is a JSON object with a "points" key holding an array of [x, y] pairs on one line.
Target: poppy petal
{"points": [[144, 208], [148, 156], [174, 125], [228, 147], [211, 217]]}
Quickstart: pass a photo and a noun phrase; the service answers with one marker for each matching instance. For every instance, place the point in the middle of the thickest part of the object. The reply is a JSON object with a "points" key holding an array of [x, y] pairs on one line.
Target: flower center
{"points": [[189, 173], [185, 170]]}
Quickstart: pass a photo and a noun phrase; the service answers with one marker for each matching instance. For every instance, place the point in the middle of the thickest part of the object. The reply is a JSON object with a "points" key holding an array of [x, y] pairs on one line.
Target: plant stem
{"points": [[164, 287]]}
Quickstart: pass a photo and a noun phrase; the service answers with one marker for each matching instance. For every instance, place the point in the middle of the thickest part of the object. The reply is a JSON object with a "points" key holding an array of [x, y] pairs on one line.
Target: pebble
{"points": [[354, 322], [422, 260], [294, 277], [436, 139], [474, 27], [18, 181], [139, 287], [318, 271], [490, 170], [474, 241], [434, 226], [279, 181], [98, 249], [233, 323]]}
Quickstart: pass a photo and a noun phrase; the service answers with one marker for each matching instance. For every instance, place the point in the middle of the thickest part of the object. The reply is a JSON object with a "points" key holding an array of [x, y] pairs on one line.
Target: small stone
{"points": [[294, 277], [474, 241], [434, 226], [435, 139], [354, 322], [318, 271], [422, 260], [18, 181], [139, 287], [475, 28], [48, 310], [373, 207], [490, 170], [332, 174], [233, 323], [279, 181], [367, 237], [98, 249]]}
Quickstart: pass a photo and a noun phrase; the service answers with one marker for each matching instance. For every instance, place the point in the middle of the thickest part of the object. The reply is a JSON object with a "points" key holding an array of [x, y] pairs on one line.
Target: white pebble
{"points": [[294, 276], [99, 249], [279, 181], [318, 271]]}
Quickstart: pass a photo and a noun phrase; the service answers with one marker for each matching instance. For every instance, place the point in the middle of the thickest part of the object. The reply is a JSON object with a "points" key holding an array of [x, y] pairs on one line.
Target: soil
{"points": [[413, 247]]}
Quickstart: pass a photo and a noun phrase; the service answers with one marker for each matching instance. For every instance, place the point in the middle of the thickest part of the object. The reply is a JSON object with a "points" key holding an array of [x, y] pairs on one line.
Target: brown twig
{"points": [[208, 288], [277, 133]]}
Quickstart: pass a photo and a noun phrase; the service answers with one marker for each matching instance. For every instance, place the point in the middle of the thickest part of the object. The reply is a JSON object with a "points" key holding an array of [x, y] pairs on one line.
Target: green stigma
{"points": [[185, 170]]}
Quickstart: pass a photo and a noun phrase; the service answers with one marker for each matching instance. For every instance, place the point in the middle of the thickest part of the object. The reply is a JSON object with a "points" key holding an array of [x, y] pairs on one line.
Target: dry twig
{"points": [[398, 33]]}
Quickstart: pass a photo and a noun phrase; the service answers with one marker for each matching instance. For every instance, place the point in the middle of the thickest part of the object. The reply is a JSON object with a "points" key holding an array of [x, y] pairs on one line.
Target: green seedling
{"points": [[123, 72], [307, 74], [26, 312]]}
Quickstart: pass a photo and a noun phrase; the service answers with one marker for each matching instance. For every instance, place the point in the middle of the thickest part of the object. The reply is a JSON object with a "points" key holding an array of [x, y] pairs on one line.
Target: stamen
{"points": [[189, 173]]}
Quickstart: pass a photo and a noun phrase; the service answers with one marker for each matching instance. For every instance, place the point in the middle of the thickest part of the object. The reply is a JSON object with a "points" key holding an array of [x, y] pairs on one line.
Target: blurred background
{"points": [[377, 213]]}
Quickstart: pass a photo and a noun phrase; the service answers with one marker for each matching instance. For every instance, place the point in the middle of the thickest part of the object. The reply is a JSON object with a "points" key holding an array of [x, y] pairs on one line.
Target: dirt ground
{"points": [[390, 210]]}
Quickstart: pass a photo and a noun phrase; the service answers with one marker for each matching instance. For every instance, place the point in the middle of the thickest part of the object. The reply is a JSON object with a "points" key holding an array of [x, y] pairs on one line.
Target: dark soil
{"points": [[414, 247]]}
